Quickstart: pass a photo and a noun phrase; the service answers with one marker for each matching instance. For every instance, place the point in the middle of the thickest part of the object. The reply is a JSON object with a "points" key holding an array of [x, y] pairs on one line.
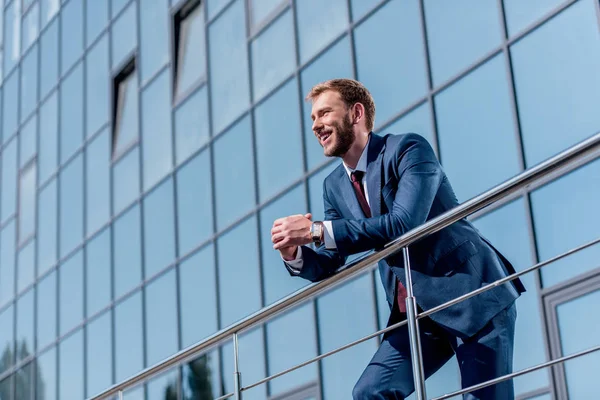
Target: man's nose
{"points": [[316, 125]]}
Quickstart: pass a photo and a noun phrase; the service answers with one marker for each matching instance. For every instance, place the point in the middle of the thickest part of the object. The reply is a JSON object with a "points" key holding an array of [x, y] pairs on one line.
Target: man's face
{"points": [[332, 124]]}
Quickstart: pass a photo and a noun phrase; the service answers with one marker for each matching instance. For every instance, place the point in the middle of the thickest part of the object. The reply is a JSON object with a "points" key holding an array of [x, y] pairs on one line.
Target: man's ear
{"points": [[358, 113]]}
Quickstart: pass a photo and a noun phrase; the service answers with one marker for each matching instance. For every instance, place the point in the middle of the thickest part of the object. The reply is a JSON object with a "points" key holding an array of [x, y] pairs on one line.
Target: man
{"points": [[385, 187]]}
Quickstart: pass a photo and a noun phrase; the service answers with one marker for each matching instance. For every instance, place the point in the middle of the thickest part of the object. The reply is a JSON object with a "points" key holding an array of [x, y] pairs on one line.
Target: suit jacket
{"points": [[407, 187]]}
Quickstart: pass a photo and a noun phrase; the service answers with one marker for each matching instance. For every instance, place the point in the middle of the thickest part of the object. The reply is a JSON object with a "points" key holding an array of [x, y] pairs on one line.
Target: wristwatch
{"points": [[317, 233]]}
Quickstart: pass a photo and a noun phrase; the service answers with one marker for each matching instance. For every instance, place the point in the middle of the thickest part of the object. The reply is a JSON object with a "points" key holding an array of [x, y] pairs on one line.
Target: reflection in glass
{"points": [[126, 120], [46, 311], [416, 121], [70, 371], [159, 228], [200, 378], [71, 293], [99, 354], [46, 377], [26, 266], [129, 344], [24, 377], [117, 6], [71, 113], [361, 7], [27, 207], [315, 30], [124, 35], [520, 14], [10, 106], [251, 360], [28, 141], [71, 29], [191, 125], [49, 10], [191, 52], [7, 261], [98, 272], [154, 37], [12, 36], [315, 189], [6, 386], [48, 154], [96, 19], [49, 59], [126, 181], [164, 387], [24, 339], [127, 252], [71, 205], [161, 318], [214, 6], [30, 28], [47, 225], [9, 180], [97, 183], [97, 86], [29, 83], [7, 339]]}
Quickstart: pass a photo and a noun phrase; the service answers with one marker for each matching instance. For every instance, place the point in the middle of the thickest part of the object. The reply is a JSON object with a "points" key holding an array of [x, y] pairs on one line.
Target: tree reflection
{"points": [[22, 380], [197, 382]]}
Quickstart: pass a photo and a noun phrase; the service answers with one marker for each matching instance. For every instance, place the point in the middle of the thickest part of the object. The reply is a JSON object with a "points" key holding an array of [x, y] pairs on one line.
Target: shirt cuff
{"points": [[329, 238], [297, 263]]}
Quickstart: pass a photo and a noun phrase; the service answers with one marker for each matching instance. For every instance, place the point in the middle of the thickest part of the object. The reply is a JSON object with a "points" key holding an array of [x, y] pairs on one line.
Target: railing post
{"points": [[237, 375], [120, 395], [413, 332]]}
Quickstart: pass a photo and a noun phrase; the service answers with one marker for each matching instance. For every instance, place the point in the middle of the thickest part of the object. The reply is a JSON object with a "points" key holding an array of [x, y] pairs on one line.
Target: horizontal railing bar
{"points": [[518, 373]]}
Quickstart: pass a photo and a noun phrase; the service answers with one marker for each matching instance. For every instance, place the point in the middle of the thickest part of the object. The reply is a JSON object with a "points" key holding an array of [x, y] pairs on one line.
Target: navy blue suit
{"points": [[407, 187]]}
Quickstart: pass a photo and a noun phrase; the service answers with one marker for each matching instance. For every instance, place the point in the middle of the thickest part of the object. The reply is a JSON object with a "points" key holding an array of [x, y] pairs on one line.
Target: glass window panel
{"points": [[28, 141], [229, 66], [117, 6], [136, 393], [71, 33], [198, 297], [46, 310], [71, 293], [25, 339], [27, 207], [154, 37], [7, 339], [9, 180], [47, 227], [361, 7], [12, 36], [335, 63], [124, 35], [576, 324], [277, 280], [478, 103], [159, 228], [6, 388], [126, 181], [127, 252], [24, 377], [161, 318], [191, 51], [127, 118], [26, 265], [97, 86], [70, 371], [191, 125], [521, 14], [97, 183], [315, 189], [557, 83], [7, 260], [129, 350], [194, 203], [98, 273], [273, 55], [99, 354], [29, 83], [251, 359], [10, 104], [46, 375], [164, 387], [507, 229], [279, 158], [417, 121], [282, 356], [157, 151], [261, 9], [563, 221], [214, 6], [48, 157], [350, 306], [239, 282], [317, 29], [49, 10], [96, 19], [71, 113], [200, 378], [71, 205], [49, 59], [234, 183], [30, 27]]}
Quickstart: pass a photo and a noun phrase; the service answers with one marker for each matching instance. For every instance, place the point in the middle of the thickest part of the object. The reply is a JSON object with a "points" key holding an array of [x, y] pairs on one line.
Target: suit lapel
{"points": [[374, 162], [349, 197]]}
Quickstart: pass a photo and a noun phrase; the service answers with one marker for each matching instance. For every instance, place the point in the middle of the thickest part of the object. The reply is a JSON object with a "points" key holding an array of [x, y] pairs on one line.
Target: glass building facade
{"points": [[147, 146]]}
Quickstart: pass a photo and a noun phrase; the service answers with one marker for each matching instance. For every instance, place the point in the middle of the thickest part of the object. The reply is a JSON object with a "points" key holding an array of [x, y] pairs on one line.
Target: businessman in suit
{"points": [[384, 187]]}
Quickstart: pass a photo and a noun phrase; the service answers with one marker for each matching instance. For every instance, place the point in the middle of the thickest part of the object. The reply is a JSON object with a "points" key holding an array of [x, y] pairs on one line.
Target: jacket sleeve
{"points": [[419, 178]]}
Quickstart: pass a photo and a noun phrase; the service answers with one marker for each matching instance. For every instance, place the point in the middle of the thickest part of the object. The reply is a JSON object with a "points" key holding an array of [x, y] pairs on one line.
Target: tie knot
{"points": [[357, 176]]}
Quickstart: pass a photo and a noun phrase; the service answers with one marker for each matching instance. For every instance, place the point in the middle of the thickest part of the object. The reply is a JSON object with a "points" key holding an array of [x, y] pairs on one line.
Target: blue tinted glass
{"points": [[157, 151], [117, 6], [194, 203], [417, 121], [7, 386], [97, 86], [48, 156], [29, 83], [228, 66], [30, 28], [480, 102], [383, 308], [71, 33], [49, 10], [214, 6], [360, 7], [251, 360], [557, 83], [159, 228], [154, 37], [97, 183], [395, 78], [126, 123], [24, 388], [27, 202], [7, 339], [136, 393], [46, 376], [26, 266], [9, 180], [278, 150], [234, 183], [261, 9], [70, 370], [459, 33], [70, 297], [520, 14], [161, 318], [191, 125], [507, 229], [71, 113], [127, 252], [191, 62], [7, 260], [99, 354], [28, 141], [350, 306], [335, 63], [25, 321], [124, 35], [239, 282], [576, 324], [201, 377], [71, 205], [445, 380], [49, 59], [46, 311], [317, 29], [47, 227], [277, 279], [12, 36], [163, 387], [564, 221], [96, 19], [315, 189], [281, 332], [273, 55], [10, 104], [129, 344], [126, 181], [98, 273], [198, 296]]}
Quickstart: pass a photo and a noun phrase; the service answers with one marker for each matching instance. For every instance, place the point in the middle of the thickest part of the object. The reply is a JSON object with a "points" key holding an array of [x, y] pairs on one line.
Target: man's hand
{"points": [[290, 232]]}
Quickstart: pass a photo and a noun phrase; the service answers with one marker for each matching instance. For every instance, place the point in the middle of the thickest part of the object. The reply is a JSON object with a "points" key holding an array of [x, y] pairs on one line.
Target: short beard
{"points": [[344, 138]]}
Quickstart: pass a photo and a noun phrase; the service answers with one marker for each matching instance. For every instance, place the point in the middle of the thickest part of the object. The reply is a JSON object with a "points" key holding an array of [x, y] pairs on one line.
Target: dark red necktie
{"points": [[356, 178]]}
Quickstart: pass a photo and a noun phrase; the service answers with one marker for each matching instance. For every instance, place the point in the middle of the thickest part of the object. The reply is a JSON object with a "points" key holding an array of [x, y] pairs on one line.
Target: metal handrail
{"points": [[583, 151]]}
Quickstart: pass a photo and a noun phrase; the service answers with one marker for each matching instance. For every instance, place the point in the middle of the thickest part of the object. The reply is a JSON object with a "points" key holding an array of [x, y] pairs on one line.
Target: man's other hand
{"points": [[290, 232]]}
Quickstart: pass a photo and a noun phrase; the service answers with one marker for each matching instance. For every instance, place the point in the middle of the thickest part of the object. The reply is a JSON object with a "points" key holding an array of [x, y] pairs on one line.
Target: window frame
{"points": [[125, 72]]}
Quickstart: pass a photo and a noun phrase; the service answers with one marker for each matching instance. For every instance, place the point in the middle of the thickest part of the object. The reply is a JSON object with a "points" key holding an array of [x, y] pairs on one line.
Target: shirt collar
{"points": [[362, 161]]}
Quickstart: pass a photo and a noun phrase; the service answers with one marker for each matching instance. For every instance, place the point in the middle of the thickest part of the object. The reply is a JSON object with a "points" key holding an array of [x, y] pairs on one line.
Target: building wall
{"points": [[147, 147]]}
